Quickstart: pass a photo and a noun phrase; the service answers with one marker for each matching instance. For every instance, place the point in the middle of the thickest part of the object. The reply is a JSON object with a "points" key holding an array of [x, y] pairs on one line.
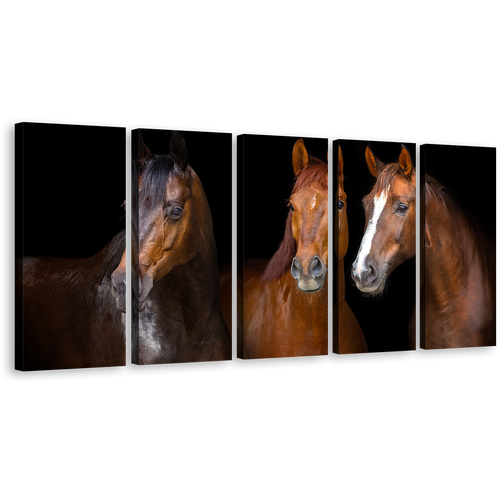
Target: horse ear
{"points": [[340, 168], [340, 162], [300, 158], [141, 152], [178, 150], [374, 164], [405, 161]]}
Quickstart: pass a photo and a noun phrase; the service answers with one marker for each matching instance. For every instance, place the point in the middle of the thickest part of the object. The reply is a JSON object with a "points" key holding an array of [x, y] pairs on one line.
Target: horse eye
{"points": [[340, 204], [291, 206], [402, 208], [176, 211]]}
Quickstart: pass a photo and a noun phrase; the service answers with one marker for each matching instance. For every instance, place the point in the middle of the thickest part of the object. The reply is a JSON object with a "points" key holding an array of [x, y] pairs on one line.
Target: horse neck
{"points": [[101, 265], [341, 246], [453, 252]]}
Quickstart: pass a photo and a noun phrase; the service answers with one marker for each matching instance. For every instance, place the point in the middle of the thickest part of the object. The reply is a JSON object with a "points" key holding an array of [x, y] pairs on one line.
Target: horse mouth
{"points": [[376, 288], [310, 290], [311, 285]]}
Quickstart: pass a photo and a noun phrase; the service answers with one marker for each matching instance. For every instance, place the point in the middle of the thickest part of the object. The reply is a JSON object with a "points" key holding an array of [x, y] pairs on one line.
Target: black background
{"points": [[73, 180], [76, 178]]}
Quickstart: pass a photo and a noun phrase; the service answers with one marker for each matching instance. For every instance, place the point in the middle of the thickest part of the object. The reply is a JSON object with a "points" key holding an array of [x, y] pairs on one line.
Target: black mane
{"points": [[154, 178]]}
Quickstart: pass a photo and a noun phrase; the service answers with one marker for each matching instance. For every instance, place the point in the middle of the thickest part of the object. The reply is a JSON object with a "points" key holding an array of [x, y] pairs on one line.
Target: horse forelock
{"points": [[316, 173], [385, 179], [154, 178]]}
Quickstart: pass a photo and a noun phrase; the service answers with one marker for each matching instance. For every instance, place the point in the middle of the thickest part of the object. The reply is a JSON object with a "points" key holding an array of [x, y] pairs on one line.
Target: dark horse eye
{"points": [[402, 208], [291, 206], [340, 204], [176, 211]]}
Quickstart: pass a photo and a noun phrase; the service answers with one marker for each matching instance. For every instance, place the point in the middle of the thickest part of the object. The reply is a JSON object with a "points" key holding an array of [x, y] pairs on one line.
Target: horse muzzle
{"points": [[368, 279], [119, 289], [145, 286], [310, 278]]}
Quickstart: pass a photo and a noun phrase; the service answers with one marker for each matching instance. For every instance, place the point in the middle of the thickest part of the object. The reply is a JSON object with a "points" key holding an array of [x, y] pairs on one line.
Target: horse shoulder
{"points": [[266, 315]]}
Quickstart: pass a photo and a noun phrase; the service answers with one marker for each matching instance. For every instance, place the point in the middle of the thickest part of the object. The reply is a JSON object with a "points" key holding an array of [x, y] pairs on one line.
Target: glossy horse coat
{"points": [[285, 300], [67, 311], [178, 282], [458, 306], [347, 334]]}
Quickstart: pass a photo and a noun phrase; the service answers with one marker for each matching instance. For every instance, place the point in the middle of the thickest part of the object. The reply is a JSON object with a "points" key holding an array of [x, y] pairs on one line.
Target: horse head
{"points": [[171, 219], [390, 208], [309, 220]]}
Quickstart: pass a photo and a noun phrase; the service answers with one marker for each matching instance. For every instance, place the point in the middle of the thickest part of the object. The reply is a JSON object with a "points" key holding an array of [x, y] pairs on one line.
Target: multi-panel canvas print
{"points": [[71, 272]]}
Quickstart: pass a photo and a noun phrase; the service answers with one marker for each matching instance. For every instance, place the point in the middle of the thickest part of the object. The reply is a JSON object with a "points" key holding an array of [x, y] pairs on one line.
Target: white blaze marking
{"points": [[366, 243]]}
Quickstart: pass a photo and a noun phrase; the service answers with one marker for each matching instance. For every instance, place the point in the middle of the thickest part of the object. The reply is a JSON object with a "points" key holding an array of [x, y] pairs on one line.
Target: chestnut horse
{"points": [[178, 283], [285, 300], [390, 237], [458, 296], [347, 334]]}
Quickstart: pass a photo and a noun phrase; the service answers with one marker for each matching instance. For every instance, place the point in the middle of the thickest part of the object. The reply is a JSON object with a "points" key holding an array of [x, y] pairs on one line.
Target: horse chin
{"points": [[310, 286], [375, 289]]}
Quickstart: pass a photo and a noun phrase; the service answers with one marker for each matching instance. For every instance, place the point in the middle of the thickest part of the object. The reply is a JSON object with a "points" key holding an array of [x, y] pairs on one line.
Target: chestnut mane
{"points": [[315, 173]]}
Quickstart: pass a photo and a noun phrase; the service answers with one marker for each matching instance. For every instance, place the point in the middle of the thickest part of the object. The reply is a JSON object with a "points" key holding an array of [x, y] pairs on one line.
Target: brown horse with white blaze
{"points": [[458, 297], [390, 225], [390, 209]]}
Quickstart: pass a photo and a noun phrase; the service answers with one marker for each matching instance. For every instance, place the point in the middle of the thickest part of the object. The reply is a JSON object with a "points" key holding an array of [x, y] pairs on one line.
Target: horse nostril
{"points": [[316, 267], [369, 274], [296, 268]]}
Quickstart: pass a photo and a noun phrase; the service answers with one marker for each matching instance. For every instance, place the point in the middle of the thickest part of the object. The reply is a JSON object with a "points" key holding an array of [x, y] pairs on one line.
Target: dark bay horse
{"points": [[347, 334], [390, 225], [286, 299], [65, 311], [458, 303], [178, 282]]}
